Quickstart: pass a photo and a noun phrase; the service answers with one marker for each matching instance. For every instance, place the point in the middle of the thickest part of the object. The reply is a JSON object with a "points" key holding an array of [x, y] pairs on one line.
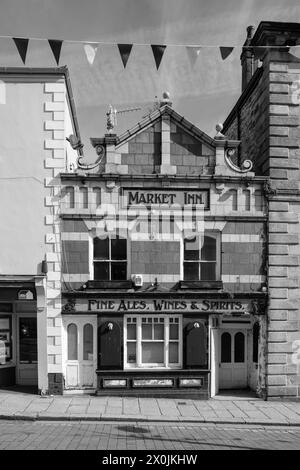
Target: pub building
{"points": [[163, 244]]}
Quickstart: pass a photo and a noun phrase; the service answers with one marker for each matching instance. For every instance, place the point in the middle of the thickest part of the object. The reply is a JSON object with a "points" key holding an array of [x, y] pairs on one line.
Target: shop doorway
{"points": [[26, 370], [233, 364], [109, 346]]}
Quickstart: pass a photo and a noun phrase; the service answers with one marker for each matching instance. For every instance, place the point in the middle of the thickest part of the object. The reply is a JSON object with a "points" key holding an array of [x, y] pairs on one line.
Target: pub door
{"points": [[109, 346], [80, 352], [233, 359]]}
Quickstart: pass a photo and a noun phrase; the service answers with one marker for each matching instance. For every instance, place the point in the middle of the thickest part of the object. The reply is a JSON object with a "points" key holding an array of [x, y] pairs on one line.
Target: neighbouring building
{"points": [[266, 119], [36, 113]]}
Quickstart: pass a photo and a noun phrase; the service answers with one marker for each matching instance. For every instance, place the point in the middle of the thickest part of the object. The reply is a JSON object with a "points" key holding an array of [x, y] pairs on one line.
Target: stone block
{"points": [[276, 358], [274, 337], [52, 106], [279, 347], [292, 239], [279, 174], [278, 293], [279, 152], [54, 125], [277, 315], [278, 250], [277, 227], [279, 109], [276, 380], [55, 87], [279, 391], [283, 260]]}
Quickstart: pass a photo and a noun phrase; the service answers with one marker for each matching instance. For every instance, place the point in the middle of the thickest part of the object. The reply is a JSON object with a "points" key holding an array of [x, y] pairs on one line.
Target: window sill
{"points": [[216, 285], [109, 284]]}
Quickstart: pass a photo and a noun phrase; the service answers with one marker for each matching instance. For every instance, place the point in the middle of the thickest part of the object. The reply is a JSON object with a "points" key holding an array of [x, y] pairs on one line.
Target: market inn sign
{"points": [[171, 198], [159, 306]]}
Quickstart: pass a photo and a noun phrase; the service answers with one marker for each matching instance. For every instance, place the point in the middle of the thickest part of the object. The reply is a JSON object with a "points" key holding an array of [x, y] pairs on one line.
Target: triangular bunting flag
{"points": [[90, 50], [158, 52], [225, 52], [125, 50], [55, 45], [22, 45], [193, 53], [295, 50]]}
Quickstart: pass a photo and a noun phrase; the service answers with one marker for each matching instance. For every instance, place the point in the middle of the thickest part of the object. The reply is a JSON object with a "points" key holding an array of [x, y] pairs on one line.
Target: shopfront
{"points": [[18, 336], [160, 346]]}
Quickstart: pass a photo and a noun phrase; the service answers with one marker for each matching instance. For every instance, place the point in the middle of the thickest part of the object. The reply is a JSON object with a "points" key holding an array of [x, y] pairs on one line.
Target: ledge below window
{"points": [[108, 284], [198, 285]]}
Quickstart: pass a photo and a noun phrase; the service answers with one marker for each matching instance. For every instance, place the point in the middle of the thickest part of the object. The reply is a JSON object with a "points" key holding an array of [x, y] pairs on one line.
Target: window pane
{"points": [[226, 347], [239, 347], [28, 340], [173, 353], [88, 342], [131, 353], [118, 271], [146, 331], [101, 271], [131, 331], [118, 248], [152, 353], [191, 249], [174, 331], [159, 331], [101, 248], [72, 342], [208, 250], [191, 271], [208, 271]]}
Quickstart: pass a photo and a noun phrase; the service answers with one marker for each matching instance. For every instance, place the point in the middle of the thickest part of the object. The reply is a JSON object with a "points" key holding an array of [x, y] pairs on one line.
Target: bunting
{"points": [[125, 50], [22, 45], [193, 53], [158, 52], [55, 45], [90, 50], [225, 51]]}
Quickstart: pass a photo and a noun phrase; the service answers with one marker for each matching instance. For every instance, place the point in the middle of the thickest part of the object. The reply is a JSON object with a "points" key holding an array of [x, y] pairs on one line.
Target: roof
{"points": [[59, 71], [151, 119]]}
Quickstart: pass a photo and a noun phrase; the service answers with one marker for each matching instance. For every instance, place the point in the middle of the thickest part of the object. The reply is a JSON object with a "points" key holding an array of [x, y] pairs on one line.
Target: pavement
{"points": [[236, 409]]}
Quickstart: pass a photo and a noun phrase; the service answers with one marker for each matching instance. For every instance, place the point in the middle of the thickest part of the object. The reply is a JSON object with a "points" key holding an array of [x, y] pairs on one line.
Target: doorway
{"points": [[233, 363], [27, 371]]}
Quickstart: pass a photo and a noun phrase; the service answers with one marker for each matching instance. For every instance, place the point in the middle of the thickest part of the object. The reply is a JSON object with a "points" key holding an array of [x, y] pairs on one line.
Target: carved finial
{"points": [[111, 120], [165, 99], [219, 128], [74, 142]]}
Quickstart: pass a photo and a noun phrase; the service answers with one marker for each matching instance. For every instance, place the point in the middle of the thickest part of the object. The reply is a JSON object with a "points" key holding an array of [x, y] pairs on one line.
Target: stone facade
{"points": [[272, 139]]}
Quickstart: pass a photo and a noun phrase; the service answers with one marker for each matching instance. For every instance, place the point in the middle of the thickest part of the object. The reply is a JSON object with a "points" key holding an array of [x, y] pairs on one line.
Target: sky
{"points": [[203, 93]]}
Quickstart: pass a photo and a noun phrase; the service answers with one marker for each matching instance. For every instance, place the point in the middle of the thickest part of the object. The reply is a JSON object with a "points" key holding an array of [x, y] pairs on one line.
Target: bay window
{"points": [[152, 341]]}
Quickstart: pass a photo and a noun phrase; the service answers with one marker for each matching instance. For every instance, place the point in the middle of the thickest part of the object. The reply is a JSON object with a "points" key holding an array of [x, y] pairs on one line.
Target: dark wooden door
{"points": [[195, 345], [109, 346]]}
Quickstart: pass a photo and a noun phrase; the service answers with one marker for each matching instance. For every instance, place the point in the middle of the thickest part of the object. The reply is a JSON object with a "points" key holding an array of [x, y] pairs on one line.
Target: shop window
{"points": [[68, 194], [201, 258], [239, 347], [72, 342], [5, 339], [28, 340], [84, 202], [255, 342], [152, 341], [88, 342], [110, 259], [226, 348]]}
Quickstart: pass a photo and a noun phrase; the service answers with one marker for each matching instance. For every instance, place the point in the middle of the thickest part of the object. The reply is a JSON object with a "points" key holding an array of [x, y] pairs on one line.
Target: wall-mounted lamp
{"points": [[196, 325], [110, 326]]}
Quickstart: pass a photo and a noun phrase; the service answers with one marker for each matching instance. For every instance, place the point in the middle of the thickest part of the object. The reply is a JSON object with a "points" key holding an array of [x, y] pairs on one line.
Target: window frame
{"points": [[217, 236], [92, 260], [150, 366]]}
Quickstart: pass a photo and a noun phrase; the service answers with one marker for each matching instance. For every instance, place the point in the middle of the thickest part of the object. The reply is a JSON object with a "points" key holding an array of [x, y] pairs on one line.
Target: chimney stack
{"points": [[247, 59]]}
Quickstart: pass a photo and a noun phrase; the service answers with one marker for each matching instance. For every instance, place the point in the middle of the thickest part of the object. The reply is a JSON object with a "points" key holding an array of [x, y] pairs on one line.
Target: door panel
{"points": [[233, 359]]}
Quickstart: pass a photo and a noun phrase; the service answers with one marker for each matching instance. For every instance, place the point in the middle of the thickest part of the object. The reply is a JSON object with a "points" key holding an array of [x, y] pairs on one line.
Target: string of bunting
{"points": [[91, 48]]}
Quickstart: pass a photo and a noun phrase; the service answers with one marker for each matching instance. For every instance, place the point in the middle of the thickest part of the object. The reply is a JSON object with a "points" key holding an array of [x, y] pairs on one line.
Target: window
{"points": [[5, 340], [152, 341], [72, 342], [88, 342], [201, 258], [110, 259]]}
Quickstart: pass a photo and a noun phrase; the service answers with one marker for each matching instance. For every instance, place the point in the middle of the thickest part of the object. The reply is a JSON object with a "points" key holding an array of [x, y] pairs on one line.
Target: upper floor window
{"points": [[202, 258], [110, 259]]}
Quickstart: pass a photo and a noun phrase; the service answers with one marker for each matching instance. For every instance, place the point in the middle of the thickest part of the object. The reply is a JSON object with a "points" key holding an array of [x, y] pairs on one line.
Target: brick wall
{"points": [[249, 123]]}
